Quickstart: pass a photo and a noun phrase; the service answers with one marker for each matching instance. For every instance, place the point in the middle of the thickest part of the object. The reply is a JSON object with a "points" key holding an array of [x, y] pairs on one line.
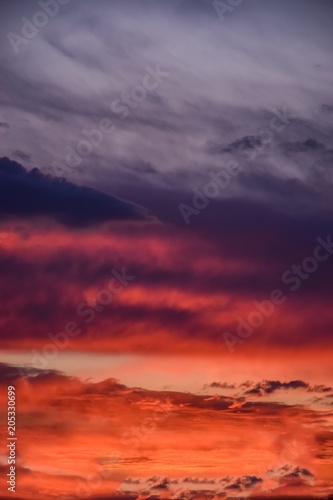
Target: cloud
{"points": [[191, 283], [187, 112], [191, 487], [270, 386], [243, 483], [219, 385], [10, 373], [143, 425], [319, 388], [246, 142], [308, 145], [27, 194], [288, 473], [267, 387], [173, 297], [21, 155], [4, 127]]}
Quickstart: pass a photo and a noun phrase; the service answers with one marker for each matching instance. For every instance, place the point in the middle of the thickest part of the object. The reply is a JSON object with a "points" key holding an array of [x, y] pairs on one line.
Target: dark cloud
{"points": [[320, 388], [278, 188], [308, 145], [290, 472], [219, 385], [243, 483], [21, 155], [142, 168], [267, 387], [9, 373], [27, 194], [270, 386], [327, 108], [242, 237], [4, 127], [246, 142]]}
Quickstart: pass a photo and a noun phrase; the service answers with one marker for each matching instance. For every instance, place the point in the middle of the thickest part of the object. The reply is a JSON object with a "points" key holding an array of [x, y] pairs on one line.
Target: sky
{"points": [[166, 248]]}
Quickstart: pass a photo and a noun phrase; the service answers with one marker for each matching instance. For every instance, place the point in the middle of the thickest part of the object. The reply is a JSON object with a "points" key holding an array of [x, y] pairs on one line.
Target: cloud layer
{"points": [[148, 431]]}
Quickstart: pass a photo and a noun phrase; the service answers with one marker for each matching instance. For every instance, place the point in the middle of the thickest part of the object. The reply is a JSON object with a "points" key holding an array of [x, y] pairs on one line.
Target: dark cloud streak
{"points": [[26, 194]]}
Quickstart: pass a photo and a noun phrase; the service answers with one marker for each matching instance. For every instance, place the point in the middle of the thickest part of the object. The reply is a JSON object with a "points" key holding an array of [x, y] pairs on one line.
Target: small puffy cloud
{"points": [[219, 385], [290, 473], [189, 487]]}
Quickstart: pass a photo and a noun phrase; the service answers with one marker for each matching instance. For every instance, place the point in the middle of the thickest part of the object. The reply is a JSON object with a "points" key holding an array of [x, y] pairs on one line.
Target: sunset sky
{"points": [[166, 248]]}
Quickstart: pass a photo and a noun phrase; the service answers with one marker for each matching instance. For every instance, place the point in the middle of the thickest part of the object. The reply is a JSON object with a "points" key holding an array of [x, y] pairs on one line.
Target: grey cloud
{"points": [[142, 167], [94, 56], [84, 46]]}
